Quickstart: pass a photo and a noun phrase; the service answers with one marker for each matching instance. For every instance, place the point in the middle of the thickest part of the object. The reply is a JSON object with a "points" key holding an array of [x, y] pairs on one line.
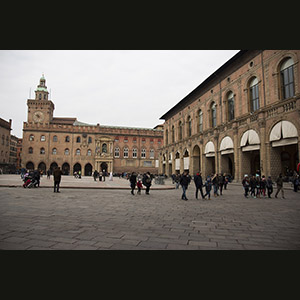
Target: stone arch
{"points": [[88, 169], [29, 165]]}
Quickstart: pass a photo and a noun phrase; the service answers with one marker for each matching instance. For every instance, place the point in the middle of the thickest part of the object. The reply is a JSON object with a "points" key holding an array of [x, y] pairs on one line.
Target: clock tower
{"points": [[40, 109]]}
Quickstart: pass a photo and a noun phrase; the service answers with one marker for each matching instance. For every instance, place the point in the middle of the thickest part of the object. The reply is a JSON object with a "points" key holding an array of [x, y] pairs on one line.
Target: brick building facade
{"points": [[243, 118], [72, 145]]}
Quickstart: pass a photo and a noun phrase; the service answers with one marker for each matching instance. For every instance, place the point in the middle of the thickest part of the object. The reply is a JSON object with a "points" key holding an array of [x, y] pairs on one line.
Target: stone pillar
{"points": [[236, 156], [263, 151]]}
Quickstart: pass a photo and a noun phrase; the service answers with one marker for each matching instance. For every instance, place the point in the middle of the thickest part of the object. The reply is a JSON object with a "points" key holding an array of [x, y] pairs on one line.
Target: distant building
{"points": [[243, 118], [50, 141], [5, 128]]}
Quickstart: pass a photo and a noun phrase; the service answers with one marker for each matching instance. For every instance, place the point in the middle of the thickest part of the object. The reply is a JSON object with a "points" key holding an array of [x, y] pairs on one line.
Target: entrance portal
{"points": [[104, 167]]}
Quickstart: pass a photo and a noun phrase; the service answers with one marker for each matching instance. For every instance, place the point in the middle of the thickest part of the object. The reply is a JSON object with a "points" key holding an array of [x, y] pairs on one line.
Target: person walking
{"points": [[252, 186], [246, 185], [48, 173], [132, 180], [208, 185], [184, 182], [296, 182], [269, 185], [221, 182], [95, 175], [215, 182], [199, 184], [147, 181], [279, 182], [177, 180], [57, 178]]}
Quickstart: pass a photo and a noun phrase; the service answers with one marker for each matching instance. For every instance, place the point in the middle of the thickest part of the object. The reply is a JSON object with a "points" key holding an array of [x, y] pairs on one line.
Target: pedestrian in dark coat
{"points": [[269, 185], [199, 184], [132, 180], [221, 182], [184, 181], [57, 178], [279, 182], [147, 181]]}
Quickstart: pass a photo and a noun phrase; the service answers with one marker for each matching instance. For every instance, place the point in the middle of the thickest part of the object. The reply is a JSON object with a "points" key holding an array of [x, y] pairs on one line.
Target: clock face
{"points": [[38, 116]]}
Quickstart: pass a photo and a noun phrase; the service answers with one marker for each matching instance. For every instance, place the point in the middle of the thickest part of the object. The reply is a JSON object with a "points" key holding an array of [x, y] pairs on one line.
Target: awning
{"points": [[285, 142], [226, 146], [177, 164], [251, 137], [284, 133], [186, 163]]}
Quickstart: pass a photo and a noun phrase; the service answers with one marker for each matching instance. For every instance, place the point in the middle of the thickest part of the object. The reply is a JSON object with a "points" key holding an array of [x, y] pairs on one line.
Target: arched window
{"points": [[254, 96], [134, 153], [67, 139], [189, 123], [117, 152], [89, 140], [43, 138], [30, 150], [167, 136], [55, 138], [78, 139], [54, 151], [125, 152], [77, 151], [173, 134], [180, 131], [200, 115], [213, 115], [143, 153], [31, 137], [67, 151], [40, 96], [287, 78], [230, 107], [89, 152], [42, 151]]}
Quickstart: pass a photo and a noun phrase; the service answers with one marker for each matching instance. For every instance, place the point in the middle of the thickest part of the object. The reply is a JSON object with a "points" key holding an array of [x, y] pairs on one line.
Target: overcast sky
{"points": [[112, 87]]}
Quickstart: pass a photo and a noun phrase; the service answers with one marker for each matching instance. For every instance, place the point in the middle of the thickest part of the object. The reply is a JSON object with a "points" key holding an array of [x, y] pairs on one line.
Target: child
{"points": [[139, 186]]}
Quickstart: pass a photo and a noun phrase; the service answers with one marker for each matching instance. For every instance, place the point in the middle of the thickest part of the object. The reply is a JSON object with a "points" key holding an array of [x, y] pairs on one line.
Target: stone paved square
{"points": [[102, 219]]}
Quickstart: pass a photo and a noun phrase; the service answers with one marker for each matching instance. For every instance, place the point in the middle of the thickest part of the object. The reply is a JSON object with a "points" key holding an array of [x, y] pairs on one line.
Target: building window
{"points": [[287, 78], [173, 134], [40, 96], [152, 153], [30, 150], [167, 137], [43, 138], [67, 151], [55, 138], [116, 139], [54, 151], [126, 139], [104, 148], [254, 96], [78, 139], [230, 102], [31, 137], [134, 153], [89, 152], [143, 153], [67, 139], [117, 152], [42, 151], [189, 123], [89, 140], [213, 115], [77, 151], [125, 153], [143, 140], [3, 139], [200, 121], [134, 139], [180, 131]]}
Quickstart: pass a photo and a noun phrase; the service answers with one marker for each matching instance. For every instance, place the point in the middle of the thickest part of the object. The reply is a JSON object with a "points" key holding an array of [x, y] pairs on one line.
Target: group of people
{"points": [[260, 186], [213, 181], [138, 180]]}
